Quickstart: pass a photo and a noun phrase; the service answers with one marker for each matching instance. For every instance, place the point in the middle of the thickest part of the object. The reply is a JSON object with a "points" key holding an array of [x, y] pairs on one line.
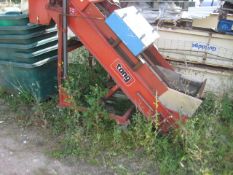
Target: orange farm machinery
{"points": [[122, 42]]}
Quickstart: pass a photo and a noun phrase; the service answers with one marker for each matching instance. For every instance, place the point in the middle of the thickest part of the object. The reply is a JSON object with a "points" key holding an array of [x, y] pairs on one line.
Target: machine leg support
{"points": [[123, 120], [111, 92], [64, 98]]}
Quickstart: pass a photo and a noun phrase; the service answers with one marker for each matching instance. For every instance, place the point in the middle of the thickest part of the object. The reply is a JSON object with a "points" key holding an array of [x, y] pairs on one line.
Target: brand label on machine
{"points": [[123, 72]]}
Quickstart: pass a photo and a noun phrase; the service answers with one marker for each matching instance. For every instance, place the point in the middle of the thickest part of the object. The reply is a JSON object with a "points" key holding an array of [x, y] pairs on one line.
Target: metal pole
{"points": [[64, 39]]}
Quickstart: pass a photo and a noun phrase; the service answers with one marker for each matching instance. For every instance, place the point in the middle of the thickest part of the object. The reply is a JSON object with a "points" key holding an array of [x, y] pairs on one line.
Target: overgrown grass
{"points": [[204, 145]]}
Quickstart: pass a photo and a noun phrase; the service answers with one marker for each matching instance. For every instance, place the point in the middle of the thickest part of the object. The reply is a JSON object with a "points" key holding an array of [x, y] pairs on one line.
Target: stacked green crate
{"points": [[13, 19], [28, 56]]}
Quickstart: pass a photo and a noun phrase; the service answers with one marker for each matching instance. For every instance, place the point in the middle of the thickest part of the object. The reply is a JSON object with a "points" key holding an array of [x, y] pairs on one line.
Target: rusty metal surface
{"points": [[219, 80]]}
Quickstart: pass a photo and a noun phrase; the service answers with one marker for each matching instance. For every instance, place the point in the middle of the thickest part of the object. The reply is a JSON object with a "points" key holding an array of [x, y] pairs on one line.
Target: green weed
{"points": [[203, 145]]}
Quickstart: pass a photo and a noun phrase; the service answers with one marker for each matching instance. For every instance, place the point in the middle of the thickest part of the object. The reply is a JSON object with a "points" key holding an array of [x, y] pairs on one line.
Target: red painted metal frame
{"points": [[63, 97], [88, 23], [123, 120], [112, 91]]}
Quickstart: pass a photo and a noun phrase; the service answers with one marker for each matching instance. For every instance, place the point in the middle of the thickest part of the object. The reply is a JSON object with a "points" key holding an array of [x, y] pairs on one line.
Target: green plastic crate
{"points": [[27, 48], [21, 30], [38, 79], [13, 19], [28, 38], [30, 57]]}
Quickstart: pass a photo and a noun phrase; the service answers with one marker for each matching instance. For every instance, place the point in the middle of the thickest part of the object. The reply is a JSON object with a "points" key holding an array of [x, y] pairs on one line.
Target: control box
{"points": [[132, 29]]}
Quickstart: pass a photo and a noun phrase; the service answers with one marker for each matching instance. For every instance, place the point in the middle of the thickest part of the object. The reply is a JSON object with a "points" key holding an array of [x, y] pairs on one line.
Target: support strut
{"points": [[64, 38]]}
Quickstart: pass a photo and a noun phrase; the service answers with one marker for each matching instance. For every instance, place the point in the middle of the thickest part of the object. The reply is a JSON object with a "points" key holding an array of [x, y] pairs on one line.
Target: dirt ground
{"points": [[24, 151]]}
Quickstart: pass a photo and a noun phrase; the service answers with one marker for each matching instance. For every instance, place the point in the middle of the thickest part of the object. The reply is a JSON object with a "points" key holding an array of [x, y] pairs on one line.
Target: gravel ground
{"points": [[24, 151]]}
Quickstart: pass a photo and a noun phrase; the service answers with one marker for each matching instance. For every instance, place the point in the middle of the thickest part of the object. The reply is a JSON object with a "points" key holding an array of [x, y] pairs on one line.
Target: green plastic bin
{"points": [[38, 79], [13, 19], [21, 30], [28, 38], [25, 47], [30, 57], [5, 49]]}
